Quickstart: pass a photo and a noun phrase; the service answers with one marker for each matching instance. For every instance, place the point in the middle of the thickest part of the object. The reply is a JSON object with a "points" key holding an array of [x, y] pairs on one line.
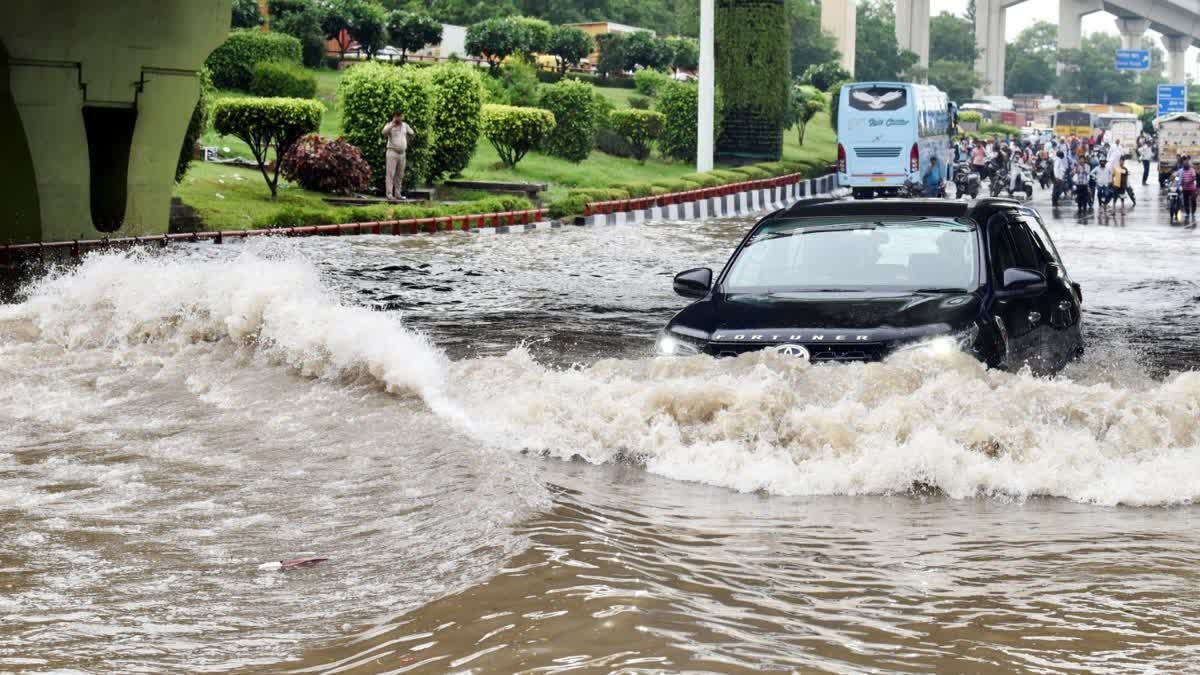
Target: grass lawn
{"points": [[820, 142], [598, 170], [617, 96], [229, 197]]}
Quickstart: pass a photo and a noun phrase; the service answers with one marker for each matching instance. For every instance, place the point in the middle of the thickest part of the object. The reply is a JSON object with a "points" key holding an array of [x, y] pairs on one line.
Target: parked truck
{"points": [[1178, 135]]}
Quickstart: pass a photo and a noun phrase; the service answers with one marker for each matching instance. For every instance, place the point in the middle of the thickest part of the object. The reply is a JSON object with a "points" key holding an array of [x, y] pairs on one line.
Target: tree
{"points": [[825, 75], [302, 20], [805, 102], [266, 125], [569, 46], [412, 32], [612, 53], [957, 78], [878, 56], [538, 34], [811, 45], [1147, 82], [647, 51], [246, 14], [360, 21], [1088, 73], [686, 53], [496, 39], [1031, 60], [951, 38]]}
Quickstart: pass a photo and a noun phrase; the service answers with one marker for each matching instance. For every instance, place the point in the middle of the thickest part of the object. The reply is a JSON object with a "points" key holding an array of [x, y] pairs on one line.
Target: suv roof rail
{"points": [[934, 208]]}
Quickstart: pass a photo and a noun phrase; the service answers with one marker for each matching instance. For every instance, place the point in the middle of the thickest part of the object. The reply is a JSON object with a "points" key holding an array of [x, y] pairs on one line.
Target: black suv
{"points": [[854, 281]]}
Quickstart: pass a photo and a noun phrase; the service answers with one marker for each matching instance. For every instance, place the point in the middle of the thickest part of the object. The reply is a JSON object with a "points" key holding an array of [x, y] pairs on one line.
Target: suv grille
{"points": [[819, 352]]}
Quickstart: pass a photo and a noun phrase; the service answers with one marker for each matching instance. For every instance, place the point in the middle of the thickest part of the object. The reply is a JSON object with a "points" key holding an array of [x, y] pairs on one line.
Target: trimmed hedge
{"points": [[704, 180], [576, 200], [638, 128], [292, 216], [284, 79], [679, 101], [574, 133], [267, 124], [514, 131], [676, 185], [648, 81], [232, 64], [369, 92], [457, 108], [752, 172]]}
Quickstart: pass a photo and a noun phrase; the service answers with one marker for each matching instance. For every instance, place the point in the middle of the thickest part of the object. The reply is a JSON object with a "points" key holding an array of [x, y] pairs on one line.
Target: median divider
{"points": [[725, 201]]}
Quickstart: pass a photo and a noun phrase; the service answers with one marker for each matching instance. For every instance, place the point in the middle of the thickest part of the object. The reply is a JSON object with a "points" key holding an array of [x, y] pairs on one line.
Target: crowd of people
{"points": [[1092, 170]]}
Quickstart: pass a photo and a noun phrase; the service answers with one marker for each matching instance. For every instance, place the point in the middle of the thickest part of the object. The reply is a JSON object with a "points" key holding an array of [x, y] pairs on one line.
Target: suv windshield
{"points": [[822, 254]]}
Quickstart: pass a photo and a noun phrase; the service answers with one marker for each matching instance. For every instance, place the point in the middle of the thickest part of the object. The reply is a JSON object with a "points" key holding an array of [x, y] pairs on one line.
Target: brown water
{"points": [[505, 482]]}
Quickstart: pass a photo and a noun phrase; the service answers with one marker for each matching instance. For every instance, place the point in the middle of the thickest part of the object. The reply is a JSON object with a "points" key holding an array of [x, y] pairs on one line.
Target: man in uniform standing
{"points": [[397, 133]]}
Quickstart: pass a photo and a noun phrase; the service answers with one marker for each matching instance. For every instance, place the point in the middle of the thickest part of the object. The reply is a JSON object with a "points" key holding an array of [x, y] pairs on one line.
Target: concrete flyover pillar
{"points": [[103, 92], [1132, 29], [1070, 22], [990, 41], [1176, 49], [840, 19], [912, 28]]}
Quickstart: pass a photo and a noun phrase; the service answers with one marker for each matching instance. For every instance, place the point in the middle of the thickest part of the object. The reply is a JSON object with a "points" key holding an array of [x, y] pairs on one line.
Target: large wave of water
{"points": [[1102, 433]]}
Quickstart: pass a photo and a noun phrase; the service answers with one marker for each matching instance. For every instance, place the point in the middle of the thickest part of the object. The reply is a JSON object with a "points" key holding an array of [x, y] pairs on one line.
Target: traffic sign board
{"points": [[1172, 98], [1133, 59]]}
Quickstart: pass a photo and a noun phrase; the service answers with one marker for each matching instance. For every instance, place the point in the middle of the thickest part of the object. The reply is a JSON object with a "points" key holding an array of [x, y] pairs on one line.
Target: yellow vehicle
{"points": [[1073, 123]]}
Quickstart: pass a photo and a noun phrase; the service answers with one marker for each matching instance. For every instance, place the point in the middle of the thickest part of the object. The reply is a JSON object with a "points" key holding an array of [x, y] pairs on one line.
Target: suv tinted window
{"points": [[1027, 253], [1000, 251], [1042, 238]]}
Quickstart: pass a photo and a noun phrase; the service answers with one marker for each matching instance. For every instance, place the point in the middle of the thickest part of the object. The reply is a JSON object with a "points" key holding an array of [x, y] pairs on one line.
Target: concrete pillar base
{"points": [[125, 72]]}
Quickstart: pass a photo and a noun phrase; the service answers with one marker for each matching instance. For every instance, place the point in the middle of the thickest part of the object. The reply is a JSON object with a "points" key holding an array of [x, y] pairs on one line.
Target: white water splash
{"points": [[759, 422]]}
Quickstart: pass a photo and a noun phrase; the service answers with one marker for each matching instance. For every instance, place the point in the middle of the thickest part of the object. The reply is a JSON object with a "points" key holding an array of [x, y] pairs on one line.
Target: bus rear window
{"points": [[878, 98]]}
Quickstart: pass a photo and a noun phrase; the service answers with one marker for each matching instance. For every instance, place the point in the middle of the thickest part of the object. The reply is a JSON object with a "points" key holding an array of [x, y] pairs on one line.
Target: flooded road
{"points": [[472, 431]]}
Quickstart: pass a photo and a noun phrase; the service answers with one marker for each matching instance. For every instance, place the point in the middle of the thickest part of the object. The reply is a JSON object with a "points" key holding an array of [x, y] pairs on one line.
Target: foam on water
{"points": [[1103, 433]]}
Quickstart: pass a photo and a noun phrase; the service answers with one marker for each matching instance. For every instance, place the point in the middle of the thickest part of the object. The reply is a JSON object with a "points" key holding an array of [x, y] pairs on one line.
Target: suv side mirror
{"points": [[1019, 281], [694, 283]]}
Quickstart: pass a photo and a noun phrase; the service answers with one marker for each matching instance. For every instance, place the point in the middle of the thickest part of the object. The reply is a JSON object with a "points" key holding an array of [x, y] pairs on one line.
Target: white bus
{"points": [[887, 132]]}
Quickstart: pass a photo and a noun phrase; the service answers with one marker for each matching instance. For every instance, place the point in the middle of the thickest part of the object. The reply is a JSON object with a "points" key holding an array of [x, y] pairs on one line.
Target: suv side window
{"points": [[1028, 254], [1000, 250], [1042, 238]]}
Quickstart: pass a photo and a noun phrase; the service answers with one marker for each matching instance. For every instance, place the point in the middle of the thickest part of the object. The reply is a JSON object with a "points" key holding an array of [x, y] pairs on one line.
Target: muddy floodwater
{"points": [[474, 432]]}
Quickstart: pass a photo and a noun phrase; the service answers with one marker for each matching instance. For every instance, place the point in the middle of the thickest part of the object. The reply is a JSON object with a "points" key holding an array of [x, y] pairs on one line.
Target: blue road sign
{"points": [[1133, 59], [1172, 98]]}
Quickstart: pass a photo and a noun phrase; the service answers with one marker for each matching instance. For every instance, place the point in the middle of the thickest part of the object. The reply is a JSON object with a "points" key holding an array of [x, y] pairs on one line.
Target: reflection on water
{"points": [[176, 420]]}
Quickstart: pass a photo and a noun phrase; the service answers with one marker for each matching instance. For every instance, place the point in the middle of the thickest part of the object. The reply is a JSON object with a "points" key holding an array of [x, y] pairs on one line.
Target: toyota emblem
{"points": [[799, 351]]}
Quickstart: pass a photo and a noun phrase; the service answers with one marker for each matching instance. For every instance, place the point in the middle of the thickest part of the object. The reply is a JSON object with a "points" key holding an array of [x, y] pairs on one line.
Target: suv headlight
{"points": [[670, 344]]}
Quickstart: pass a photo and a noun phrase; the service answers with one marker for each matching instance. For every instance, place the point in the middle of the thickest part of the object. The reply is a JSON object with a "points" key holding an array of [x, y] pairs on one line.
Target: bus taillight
{"points": [[841, 158], [914, 159]]}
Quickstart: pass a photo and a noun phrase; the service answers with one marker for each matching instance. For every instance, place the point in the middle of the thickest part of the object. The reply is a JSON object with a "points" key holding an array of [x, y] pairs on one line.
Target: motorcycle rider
{"points": [[932, 178]]}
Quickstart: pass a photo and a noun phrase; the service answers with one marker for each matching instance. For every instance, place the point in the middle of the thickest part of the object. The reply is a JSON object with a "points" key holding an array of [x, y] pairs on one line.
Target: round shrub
{"points": [[369, 92], [232, 64], [679, 101], [515, 131], [574, 133], [638, 128], [331, 166], [266, 125], [280, 78], [647, 81], [457, 90]]}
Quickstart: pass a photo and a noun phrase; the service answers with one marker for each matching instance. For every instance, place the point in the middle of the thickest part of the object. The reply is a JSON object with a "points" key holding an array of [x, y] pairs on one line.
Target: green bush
{"points": [[704, 180], [369, 92], [515, 83], [647, 81], [636, 190], [639, 102], [677, 185], [613, 82], [457, 90], [232, 64], [296, 216], [266, 125], [196, 125], [574, 132], [727, 176], [997, 129], [576, 200], [514, 131], [284, 79], [679, 102], [970, 116], [752, 172], [638, 128]]}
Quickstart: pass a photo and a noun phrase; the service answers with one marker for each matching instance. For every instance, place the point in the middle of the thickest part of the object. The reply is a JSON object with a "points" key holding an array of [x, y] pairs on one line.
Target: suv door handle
{"points": [[1035, 317]]}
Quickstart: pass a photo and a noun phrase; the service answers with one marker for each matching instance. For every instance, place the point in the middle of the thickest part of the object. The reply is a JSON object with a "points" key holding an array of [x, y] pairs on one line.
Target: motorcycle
{"points": [[1045, 173], [966, 181], [999, 180], [1023, 182]]}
